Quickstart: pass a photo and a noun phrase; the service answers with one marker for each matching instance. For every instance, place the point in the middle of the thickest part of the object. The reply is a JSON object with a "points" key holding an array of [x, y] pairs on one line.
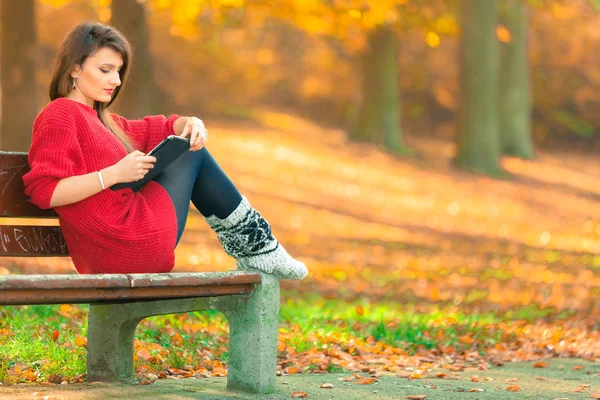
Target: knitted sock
{"points": [[247, 237]]}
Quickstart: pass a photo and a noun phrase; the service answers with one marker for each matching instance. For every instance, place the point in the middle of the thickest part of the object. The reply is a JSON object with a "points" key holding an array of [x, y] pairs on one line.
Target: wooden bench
{"points": [[249, 301]]}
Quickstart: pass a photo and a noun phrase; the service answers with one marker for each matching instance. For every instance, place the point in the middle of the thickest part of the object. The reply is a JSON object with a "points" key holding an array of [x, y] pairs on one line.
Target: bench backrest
{"points": [[24, 240]]}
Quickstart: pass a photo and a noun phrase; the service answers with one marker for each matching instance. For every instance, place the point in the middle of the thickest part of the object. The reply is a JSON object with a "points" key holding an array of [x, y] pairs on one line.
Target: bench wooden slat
{"points": [[59, 289], [30, 241], [13, 201]]}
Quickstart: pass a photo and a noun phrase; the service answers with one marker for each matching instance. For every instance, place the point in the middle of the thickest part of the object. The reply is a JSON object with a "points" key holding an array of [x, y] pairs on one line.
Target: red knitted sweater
{"points": [[119, 231]]}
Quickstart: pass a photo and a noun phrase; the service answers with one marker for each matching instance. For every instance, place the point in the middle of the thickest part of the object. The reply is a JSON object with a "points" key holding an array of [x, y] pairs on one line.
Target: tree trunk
{"points": [[379, 115], [515, 92], [478, 140], [18, 80], [140, 96]]}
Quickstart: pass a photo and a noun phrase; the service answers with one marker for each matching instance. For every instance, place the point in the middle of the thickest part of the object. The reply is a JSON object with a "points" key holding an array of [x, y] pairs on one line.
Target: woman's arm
{"points": [[76, 188], [130, 168]]}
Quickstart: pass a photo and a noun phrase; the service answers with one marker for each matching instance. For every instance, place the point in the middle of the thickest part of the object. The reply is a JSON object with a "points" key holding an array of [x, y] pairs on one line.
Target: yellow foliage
{"points": [[104, 15], [447, 25], [354, 14], [432, 39], [503, 34], [265, 56], [56, 3]]}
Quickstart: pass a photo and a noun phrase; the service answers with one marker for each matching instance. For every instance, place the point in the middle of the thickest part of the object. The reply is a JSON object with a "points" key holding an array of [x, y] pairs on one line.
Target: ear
{"points": [[76, 71]]}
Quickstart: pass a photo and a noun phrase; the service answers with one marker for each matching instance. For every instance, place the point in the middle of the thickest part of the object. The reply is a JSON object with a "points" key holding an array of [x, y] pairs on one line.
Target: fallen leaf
{"points": [[476, 390], [299, 395], [540, 364], [365, 381], [219, 371], [292, 370], [577, 367], [513, 388], [416, 397], [326, 386], [595, 395], [541, 378], [55, 335]]}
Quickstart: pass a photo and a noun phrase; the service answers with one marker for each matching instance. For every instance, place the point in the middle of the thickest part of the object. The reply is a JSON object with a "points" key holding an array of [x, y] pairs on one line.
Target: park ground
{"points": [[413, 265]]}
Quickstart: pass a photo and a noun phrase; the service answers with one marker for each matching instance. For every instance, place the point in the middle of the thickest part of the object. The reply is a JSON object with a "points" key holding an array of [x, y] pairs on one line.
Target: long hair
{"points": [[80, 43]]}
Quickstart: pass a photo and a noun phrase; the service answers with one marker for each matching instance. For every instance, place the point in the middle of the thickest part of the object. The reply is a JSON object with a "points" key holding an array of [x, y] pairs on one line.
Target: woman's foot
{"points": [[246, 236]]}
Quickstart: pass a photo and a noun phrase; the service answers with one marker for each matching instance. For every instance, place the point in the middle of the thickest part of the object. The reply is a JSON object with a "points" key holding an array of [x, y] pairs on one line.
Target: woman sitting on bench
{"points": [[79, 150]]}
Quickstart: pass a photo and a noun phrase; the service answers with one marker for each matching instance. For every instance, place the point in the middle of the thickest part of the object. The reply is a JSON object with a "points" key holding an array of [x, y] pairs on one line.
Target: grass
{"points": [[200, 338]]}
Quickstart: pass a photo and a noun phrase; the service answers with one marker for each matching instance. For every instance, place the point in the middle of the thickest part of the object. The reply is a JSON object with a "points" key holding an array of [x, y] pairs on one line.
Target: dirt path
{"points": [[560, 384]]}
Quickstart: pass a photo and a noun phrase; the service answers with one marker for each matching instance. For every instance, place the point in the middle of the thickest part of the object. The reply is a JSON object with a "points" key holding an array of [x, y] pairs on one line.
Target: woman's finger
{"points": [[194, 135], [186, 130]]}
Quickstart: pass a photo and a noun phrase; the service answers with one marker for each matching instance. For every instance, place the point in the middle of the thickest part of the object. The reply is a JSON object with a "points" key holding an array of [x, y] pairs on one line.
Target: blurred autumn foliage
{"points": [[223, 57]]}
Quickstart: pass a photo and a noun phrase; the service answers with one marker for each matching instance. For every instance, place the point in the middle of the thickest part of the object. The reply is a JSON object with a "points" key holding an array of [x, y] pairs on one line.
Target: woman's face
{"points": [[98, 77]]}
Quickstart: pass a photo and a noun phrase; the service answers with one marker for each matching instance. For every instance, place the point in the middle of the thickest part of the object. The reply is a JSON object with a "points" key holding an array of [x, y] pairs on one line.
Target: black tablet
{"points": [[165, 152]]}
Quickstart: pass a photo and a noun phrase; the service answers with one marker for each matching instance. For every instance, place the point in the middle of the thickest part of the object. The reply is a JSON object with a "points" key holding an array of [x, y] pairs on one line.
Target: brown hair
{"points": [[79, 44]]}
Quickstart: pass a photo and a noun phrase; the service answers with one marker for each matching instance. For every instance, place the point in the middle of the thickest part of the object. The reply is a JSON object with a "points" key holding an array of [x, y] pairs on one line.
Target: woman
{"points": [[79, 150]]}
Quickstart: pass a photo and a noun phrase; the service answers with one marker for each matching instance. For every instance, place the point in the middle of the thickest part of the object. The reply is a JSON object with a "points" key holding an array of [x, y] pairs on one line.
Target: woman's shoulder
{"points": [[60, 113]]}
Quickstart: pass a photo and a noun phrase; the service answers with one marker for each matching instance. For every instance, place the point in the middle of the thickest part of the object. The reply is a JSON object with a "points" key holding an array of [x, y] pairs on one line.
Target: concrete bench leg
{"points": [[253, 329], [110, 342]]}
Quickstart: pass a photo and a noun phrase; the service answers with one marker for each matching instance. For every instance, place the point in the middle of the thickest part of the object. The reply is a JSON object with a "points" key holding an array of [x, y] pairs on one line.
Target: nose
{"points": [[115, 79]]}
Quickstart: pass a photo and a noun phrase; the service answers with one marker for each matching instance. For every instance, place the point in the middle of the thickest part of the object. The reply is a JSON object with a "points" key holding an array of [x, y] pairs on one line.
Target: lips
{"points": [[109, 91]]}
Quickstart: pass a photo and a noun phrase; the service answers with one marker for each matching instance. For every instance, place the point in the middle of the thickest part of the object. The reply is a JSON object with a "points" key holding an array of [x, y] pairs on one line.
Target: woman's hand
{"points": [[194, 127], [133, 167]]}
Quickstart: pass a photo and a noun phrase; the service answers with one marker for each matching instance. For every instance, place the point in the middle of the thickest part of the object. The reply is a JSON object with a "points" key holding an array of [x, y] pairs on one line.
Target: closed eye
{"points": [[105, 71]]}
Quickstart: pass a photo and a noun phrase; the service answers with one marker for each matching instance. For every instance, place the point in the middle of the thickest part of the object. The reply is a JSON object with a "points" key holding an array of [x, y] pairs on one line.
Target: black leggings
{"points": [[196, 176]]}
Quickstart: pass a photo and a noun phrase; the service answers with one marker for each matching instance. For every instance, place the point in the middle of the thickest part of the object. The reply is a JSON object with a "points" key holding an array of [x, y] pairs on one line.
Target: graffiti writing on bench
{"points": [[31, 239]]}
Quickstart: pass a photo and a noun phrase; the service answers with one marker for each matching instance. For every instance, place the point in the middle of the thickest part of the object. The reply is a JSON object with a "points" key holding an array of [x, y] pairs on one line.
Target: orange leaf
{"points": [[416, 397], [359, 310], [81, 341], [540, 364], [66, 308], [292, 370], [55, 335], [365, 381], [299, 395], [577, 367], [513, 388], [466, 339], [177, 339], [220, 371], [595, 395], [144, 353]]}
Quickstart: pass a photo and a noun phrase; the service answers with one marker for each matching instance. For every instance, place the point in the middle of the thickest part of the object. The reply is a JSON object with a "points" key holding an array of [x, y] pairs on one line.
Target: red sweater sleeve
{"points": [[148, 131], [55, 154]]}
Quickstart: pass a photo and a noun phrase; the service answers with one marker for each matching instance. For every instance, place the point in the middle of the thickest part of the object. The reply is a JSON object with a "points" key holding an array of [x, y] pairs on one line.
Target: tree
{"points": [[18, 78], [515, 92], [478, 140], [141, 95], [349, 24], [379, 116]]}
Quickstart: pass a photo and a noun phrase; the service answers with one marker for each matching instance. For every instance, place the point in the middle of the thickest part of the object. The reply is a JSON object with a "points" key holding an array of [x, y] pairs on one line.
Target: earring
{"points": [[73, 87]]}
